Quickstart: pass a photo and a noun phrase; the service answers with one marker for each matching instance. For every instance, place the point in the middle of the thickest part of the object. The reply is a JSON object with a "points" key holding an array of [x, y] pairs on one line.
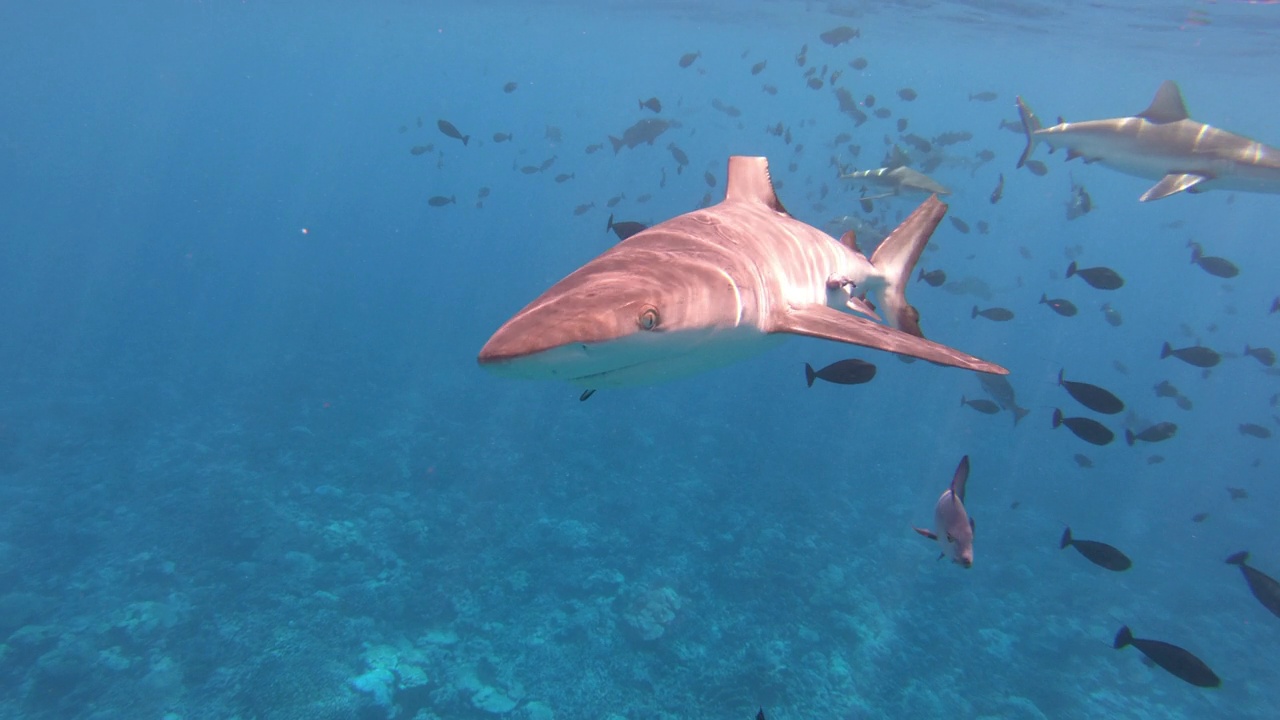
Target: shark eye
{"points": [[648, 319]]}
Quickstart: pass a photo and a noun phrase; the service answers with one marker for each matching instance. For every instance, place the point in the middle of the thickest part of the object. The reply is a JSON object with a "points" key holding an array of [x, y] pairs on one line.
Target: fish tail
{"points": [[1019, 413], [1060, 377], [809, 374], [1124, 637], [1066, 539], [465, 138], [617, 144], [896, 258], [1044, 299], [1057, 418], [1129, 437], [974, 313], [1030, 124], [1239, 558], [609, 227], [1166, 351], [1071, 269], [963, 401]]}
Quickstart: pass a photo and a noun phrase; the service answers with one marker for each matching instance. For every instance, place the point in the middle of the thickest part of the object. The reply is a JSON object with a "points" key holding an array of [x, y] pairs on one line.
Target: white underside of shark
{"points": [[1164, 144], [711, 287]]}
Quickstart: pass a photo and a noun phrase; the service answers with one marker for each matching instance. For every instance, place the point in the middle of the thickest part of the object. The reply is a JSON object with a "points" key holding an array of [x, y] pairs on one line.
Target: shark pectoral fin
{"points": [[1173, 183], [827, 323], [927, 533]]}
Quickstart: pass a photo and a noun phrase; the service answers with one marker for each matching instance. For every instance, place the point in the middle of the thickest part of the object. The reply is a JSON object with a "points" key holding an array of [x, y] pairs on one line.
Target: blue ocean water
{"points": [[249, 467]]}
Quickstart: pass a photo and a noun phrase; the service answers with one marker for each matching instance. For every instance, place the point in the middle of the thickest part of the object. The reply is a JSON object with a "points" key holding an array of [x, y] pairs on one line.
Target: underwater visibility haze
{"points": [[609, 360]]}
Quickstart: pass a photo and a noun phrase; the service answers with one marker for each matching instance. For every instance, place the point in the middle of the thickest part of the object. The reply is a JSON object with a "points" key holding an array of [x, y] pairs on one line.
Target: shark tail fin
{"points": [[1030, 124], [896, 258]]}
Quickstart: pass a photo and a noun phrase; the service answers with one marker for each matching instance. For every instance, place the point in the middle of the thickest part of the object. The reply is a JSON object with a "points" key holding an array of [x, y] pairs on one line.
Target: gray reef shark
{"points": [[898, 180], [953, 528], [716, 285], [1162, 143]]}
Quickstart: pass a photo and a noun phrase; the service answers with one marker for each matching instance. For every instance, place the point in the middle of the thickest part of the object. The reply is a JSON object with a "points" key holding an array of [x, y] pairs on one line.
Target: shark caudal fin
{"points": [[1030, 124], [896, 258]]}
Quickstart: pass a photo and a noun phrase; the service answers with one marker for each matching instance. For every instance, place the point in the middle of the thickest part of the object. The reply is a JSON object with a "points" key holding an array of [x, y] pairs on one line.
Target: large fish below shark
{"points": [[1162, 143], [710, 287]]}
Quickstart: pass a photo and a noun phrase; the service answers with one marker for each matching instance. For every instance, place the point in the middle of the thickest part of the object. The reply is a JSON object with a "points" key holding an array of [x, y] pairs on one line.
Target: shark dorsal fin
{"points": [[960, 478], [749, 181], [1167, 106]]}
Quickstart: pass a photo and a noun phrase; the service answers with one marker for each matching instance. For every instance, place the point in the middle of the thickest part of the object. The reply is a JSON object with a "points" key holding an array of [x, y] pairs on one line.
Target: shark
{"points": [[1164, 144], [953, 528], [713, 286], [897, 181]]}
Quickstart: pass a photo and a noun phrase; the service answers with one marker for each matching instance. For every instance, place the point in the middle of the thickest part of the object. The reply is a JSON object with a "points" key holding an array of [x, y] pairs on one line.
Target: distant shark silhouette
{"points": [[897, 180], [1162, 143], [710, 287]]}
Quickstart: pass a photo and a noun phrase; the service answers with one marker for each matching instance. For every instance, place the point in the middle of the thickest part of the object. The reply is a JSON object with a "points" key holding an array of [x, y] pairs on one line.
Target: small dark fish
{"points": [[447, 128], [866, 205], [1013, 126], [441, 201], [1275, 306], [501, 137], [709, 178], [917, 142], [951, 138], [678, 155], [986, 407], [562, 177], [1112, 315], [1063, 307], [530, 170], [510, 87], [687, 59], [803, 56], [883, 113], [1266, 356], [582, 209], [1216, 266], [652, 103], [1037, 168], [586, 394], [1255, 430], [842, 372], [554, 134], [869, 101], [1155, 459], [984, 96], [613, 201], [1238, 493], [1197, 355], [545, 164], [935, 278], [419, 149], [1103, 278], [839, 36], [1263, 586], [1176, 660], [1083, 460], [770, 89], [835, 75], [625, 228], [859, 63], [999, 191], [594, 148], [1091, 396], [759, 67], [1098, 553], [644, 131], [1156, 433], [1091, 431], [907, 94], [902, 124], [814, 83], [1200, 517], [986, 156], [998, 314], [959, 224], [1183, 402], [643, 197], [483, 192]]}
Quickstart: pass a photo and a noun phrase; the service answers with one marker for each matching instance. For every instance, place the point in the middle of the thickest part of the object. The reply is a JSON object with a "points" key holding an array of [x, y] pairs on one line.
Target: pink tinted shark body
{"points": [[710, 287], [953, 528]]}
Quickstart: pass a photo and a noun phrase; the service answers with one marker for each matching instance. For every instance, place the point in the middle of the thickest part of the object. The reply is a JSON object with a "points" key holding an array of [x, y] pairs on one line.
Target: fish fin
{"points": [[1019, 413], [926, 533], [609, 226], [1030, 124], [896, 257], [1173, 183], [850, 240], [1066, 539], [860, 305], [828, 323], [1073, 154], [1124, 637], [749, 181], [1167, 106], [617, 144], [1239, 558], [960, 477], [809, 374], [973, 526]]}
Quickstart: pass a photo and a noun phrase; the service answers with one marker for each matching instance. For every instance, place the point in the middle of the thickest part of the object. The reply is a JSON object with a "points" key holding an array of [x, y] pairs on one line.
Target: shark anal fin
{"points": [[827, 323], [926, 533], [1173, 183]]}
